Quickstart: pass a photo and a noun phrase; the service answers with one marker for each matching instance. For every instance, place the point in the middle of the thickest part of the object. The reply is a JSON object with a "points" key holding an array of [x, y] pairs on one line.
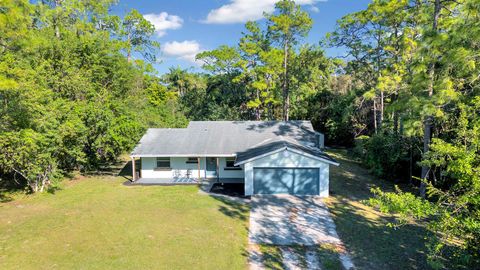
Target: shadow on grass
{"points": [[5, 196], [233, 208], [117, 168], [238, 209], [53, 189], [329, 257], [272, 257], [10, 184], [364, 231], [374, 245], [126, 170]]}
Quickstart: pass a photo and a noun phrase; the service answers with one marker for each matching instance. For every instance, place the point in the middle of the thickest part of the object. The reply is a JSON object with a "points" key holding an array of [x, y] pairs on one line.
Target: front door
{"points": [[211, 167]]}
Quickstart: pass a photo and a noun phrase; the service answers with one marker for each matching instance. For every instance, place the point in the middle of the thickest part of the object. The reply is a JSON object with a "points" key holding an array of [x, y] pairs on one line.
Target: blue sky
{"points": [[186, 27]]}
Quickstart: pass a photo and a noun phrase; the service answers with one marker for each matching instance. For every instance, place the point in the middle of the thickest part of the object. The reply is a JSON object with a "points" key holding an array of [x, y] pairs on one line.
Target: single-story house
{"points": [[268, 157]]}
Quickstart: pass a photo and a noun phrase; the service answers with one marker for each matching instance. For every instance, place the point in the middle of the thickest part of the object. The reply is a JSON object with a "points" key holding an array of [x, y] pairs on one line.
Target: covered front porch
{"points": [[185, 170]]}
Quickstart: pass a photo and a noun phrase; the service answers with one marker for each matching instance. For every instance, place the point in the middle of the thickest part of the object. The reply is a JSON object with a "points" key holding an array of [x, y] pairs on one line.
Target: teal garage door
{"points": [[298, 181]]}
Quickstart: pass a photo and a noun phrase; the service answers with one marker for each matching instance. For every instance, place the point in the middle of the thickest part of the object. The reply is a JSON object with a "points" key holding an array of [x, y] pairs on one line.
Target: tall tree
{"points": [[428, 118], [136, 32], [223, 60], [286, 26], [261, 67]]}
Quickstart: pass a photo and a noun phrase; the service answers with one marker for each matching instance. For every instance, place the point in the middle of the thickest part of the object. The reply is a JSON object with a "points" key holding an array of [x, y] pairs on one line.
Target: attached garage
{"points": [[298, 181], [286, 168]]}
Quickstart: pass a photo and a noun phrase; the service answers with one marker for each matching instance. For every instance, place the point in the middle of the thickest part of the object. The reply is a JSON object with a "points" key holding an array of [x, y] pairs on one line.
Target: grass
{"points": [[328, 256], [272, 257], [363, 230], [98, 223]]}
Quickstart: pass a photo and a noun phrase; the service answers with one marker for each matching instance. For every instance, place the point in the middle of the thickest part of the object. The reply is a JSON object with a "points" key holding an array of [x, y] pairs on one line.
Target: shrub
{"points": [[385, 155]]}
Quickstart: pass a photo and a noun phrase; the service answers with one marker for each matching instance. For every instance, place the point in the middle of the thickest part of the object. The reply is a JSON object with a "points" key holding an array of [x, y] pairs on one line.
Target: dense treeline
{"points": [[405, 96], [71, 97], [419, 64]]}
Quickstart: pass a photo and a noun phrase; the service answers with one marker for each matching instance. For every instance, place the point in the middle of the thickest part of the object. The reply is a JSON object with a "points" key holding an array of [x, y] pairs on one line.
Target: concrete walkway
{"points": [[290, 220]]}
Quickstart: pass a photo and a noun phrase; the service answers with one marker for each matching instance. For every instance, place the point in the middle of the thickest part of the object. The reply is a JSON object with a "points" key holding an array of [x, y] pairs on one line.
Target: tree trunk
{"points": [[56, 20], [380, 121], [395, 122], [129, 49], [395, 92], [401, 126], [57, 29], [257, 109], [427, 138], [395, 114], [378, 118], [428, 121], [286, 94], [375, 115], [410, 179]]}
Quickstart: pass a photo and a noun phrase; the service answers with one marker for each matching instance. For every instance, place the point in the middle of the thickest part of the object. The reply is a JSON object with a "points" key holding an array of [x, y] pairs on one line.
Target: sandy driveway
{"points": [[286, 220], [290, 220]]}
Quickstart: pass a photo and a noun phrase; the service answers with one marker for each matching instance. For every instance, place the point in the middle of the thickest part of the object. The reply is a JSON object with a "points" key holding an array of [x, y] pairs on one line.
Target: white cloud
{"points": [[314, 9], [186, 50], [239, 11], [163, 22]]}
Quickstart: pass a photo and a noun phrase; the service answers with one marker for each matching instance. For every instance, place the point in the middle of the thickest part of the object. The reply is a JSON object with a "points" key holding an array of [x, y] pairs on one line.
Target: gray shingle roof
{"points": [[221, 138]]}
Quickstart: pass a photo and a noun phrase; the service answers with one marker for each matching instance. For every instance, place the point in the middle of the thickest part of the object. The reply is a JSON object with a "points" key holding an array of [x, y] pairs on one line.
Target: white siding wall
{"points": [[177, 163], [287, 159]]}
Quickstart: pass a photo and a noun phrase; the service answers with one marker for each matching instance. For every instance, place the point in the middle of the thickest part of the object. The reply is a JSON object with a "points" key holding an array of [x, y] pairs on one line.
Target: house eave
{"points": [[181, 155], [288, 149]]}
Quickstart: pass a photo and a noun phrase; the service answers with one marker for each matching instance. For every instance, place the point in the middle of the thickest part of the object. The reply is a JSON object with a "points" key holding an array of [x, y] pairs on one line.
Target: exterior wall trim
{"points": [[185, 155]]}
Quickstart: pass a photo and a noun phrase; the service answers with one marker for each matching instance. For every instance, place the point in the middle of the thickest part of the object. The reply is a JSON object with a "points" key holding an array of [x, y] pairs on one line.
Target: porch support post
{"points": [[198, 166], [134, 173], [218, 169]]}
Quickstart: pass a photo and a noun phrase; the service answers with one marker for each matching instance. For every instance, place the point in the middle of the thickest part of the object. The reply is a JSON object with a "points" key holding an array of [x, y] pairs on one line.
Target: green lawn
{"points": [[371, 244], [98, 223]]}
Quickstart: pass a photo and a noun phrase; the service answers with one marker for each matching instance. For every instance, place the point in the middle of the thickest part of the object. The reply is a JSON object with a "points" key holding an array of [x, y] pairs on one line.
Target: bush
{"points": [[385, 155], [359, 151]]}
